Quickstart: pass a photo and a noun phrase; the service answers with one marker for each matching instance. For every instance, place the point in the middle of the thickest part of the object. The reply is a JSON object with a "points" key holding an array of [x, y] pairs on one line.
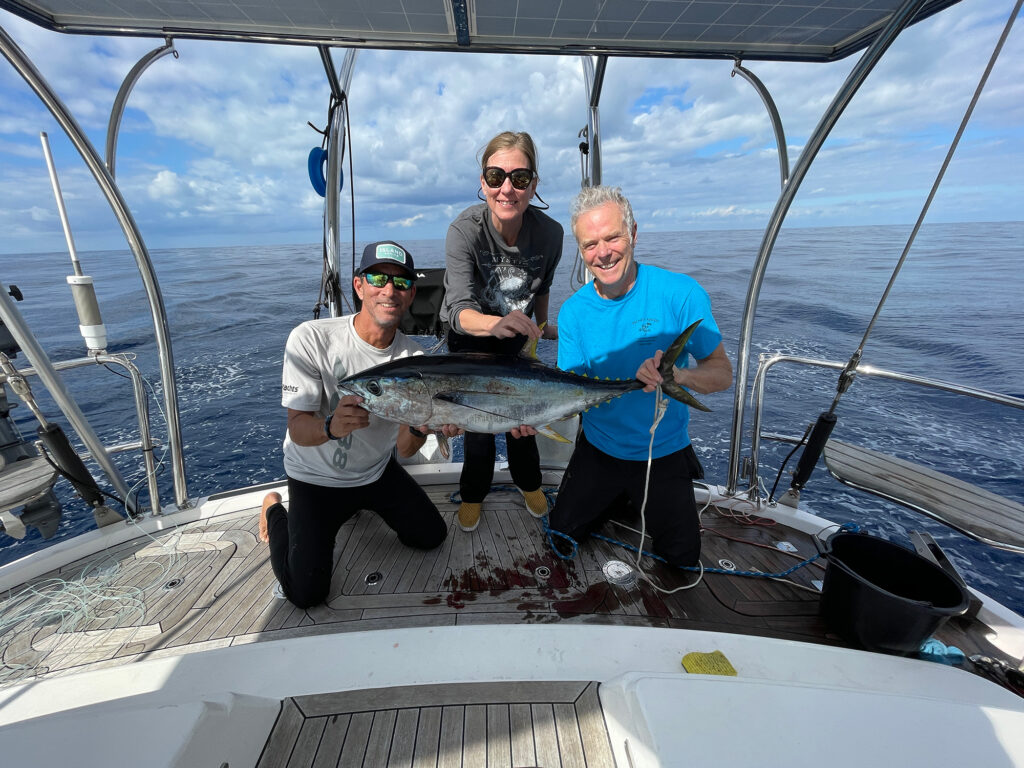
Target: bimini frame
{"points": [[593, 76]]}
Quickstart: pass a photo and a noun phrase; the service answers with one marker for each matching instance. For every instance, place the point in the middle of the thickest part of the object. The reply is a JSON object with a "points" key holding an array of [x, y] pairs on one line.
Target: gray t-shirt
{"points": [[318, 354], [485, 274]]}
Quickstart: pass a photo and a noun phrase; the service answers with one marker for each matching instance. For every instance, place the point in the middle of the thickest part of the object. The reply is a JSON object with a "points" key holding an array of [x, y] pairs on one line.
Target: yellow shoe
{"points": [[536, 502], [469, 515]]}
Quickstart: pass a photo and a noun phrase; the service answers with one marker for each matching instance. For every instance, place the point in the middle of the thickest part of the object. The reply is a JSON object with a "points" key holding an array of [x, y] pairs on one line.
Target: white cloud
{"points": [[165, 186], [406, 223]]}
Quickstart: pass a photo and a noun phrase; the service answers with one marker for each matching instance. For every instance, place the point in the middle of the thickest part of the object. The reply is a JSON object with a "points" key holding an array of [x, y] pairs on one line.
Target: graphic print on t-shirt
{"points": [[508, 286]]}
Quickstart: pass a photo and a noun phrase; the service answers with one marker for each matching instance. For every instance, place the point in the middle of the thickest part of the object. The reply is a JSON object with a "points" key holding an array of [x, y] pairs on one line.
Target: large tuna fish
{"points": [[493, 393]]}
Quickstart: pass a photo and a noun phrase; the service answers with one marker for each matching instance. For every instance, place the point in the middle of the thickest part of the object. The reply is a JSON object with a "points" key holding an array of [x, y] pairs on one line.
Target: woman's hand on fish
{"points": [[448, 430], [522, 431], [647, 374], [515, 322], [349, 416]]}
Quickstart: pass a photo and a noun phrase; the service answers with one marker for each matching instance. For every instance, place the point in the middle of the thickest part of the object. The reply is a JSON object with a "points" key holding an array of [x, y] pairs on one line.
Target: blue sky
{"points": [[213, 145]]}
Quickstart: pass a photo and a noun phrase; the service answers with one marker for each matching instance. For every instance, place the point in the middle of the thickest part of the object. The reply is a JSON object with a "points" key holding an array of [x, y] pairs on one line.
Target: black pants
{"points": [[302, 540], [478, 460], [595, 486]]}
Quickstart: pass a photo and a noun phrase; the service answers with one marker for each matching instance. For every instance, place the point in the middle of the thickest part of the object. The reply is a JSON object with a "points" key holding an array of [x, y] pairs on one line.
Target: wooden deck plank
{"points": [[419, 579], [474, 737], [434, 578], [354, 749], [495, 563], [307, 743], [597, 748], [499, 738], [449, 748], [428, 735], [439, 695], [403, 745], [239, 600], [510, 536], [489, 579], [378, 746], [262, 593], [570, 744], [335, 730], [392, 566], [245, 548], [521, 735], [282, 736], [545, 738], [375, 561], [461, 575], [369, 540]]}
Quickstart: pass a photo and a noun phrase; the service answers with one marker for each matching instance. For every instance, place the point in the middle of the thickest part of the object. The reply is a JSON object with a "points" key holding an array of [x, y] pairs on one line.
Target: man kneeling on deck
{"points": [[618, 327], [339, 458]]}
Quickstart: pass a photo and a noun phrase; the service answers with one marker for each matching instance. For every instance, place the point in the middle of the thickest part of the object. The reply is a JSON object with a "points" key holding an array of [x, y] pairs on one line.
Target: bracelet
{"points": [[416, 433], [327, 428]]}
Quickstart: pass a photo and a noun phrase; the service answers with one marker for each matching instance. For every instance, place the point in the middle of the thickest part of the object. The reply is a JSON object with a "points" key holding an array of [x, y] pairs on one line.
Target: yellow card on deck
{"points": [[713, 663]]}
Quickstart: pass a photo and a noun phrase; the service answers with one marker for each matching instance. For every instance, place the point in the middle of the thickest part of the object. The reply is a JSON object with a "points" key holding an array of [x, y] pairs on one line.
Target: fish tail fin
{"points": [[668, 360]]}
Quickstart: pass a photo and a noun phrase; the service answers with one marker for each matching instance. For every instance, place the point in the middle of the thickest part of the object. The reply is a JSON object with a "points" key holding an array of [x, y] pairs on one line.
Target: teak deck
{"points": [[209, 584], [498, 725]]}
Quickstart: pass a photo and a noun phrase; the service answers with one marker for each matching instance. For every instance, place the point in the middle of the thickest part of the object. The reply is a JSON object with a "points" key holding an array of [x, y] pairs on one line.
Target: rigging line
{"points": [[846, 377], [351, 197]]}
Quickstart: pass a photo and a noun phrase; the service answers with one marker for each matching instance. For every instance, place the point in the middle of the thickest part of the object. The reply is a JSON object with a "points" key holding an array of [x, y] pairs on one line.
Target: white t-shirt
{"points": [[319, 353]]}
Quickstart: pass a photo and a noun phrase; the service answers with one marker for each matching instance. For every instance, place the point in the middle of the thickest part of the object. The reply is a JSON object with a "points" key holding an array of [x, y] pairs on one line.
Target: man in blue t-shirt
{"points": [[617, 327]]}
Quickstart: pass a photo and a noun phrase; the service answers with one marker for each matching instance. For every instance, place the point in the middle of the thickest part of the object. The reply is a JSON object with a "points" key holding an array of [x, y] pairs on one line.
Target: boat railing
{"points": [[767, 362], [145, 443]]}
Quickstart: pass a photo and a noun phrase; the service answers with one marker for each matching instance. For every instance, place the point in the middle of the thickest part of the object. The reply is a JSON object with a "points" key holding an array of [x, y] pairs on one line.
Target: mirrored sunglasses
{"points": [[494, 177], [380, 279]]}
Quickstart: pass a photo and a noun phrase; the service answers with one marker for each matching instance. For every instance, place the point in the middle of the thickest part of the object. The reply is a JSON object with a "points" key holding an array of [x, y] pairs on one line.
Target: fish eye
{"points": [[373, 387]]}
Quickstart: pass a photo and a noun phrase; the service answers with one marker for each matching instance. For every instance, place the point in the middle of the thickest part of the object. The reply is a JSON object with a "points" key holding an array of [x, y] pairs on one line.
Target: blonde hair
{"points": [[510, 140]]}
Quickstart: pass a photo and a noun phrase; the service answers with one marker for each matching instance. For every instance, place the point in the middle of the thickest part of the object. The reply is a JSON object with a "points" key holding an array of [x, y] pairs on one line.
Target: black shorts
{"points": [[596, 485]]}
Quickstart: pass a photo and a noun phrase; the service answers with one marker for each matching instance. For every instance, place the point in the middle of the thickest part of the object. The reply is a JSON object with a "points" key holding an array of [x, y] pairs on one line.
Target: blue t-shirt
{"points": [[612, 337]]}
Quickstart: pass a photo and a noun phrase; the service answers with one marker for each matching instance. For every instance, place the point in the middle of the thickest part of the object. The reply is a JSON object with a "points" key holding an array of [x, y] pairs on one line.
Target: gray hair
{"points": [[590, 198]]}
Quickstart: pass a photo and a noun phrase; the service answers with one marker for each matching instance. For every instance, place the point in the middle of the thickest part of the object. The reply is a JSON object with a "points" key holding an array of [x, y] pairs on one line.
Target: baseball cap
{"points": [[387, 252]]}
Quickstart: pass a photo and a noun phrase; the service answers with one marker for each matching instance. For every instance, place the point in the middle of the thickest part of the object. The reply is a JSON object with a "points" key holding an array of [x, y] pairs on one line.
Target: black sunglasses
{"points": [[494, 177], [380, 279]]}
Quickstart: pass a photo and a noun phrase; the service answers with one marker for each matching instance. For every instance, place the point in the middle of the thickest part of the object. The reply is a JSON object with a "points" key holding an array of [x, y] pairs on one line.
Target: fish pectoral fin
{"points": [[481, 401], [547, 431], [461, 396], [444, 446]]}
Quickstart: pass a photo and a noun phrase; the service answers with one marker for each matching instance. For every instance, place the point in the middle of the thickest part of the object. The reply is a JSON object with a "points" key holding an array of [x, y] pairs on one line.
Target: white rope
{"points": [[660, 407]]}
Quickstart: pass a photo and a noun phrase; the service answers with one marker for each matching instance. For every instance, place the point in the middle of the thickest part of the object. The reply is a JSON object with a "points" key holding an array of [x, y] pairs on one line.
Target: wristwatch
{"points": [[416, 433], [327, 427]]}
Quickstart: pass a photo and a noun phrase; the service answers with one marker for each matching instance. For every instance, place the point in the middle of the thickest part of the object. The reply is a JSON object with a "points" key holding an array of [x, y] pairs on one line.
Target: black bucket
{"points": [[885, 597]]}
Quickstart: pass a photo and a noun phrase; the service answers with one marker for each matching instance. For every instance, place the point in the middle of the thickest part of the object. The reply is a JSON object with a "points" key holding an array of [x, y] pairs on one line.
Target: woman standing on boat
{"points": [[500, 259]]}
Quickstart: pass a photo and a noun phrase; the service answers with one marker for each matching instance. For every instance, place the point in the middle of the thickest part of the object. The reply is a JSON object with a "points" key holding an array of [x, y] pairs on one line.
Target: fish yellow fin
{"points": [[530, 347], [547, 431]]}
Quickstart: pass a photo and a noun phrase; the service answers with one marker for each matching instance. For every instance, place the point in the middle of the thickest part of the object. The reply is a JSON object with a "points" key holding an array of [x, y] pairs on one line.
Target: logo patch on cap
{"points": [[391, 252]]}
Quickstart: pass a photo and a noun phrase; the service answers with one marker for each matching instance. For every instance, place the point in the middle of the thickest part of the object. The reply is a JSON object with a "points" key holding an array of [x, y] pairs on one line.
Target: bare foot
{"points": [[269, 500]]}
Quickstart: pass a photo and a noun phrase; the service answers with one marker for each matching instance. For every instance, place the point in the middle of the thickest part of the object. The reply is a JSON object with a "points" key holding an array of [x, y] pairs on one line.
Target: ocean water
{"points": [[956, 313]]}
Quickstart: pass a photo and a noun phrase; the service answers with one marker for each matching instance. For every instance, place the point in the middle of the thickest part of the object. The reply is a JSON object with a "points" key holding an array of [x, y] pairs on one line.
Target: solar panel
{"points": [[819, 30]]}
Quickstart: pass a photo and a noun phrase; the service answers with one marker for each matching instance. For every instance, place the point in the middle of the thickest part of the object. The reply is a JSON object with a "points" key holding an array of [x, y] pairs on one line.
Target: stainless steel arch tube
{"points": [[854, 80], [118, 205]]}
